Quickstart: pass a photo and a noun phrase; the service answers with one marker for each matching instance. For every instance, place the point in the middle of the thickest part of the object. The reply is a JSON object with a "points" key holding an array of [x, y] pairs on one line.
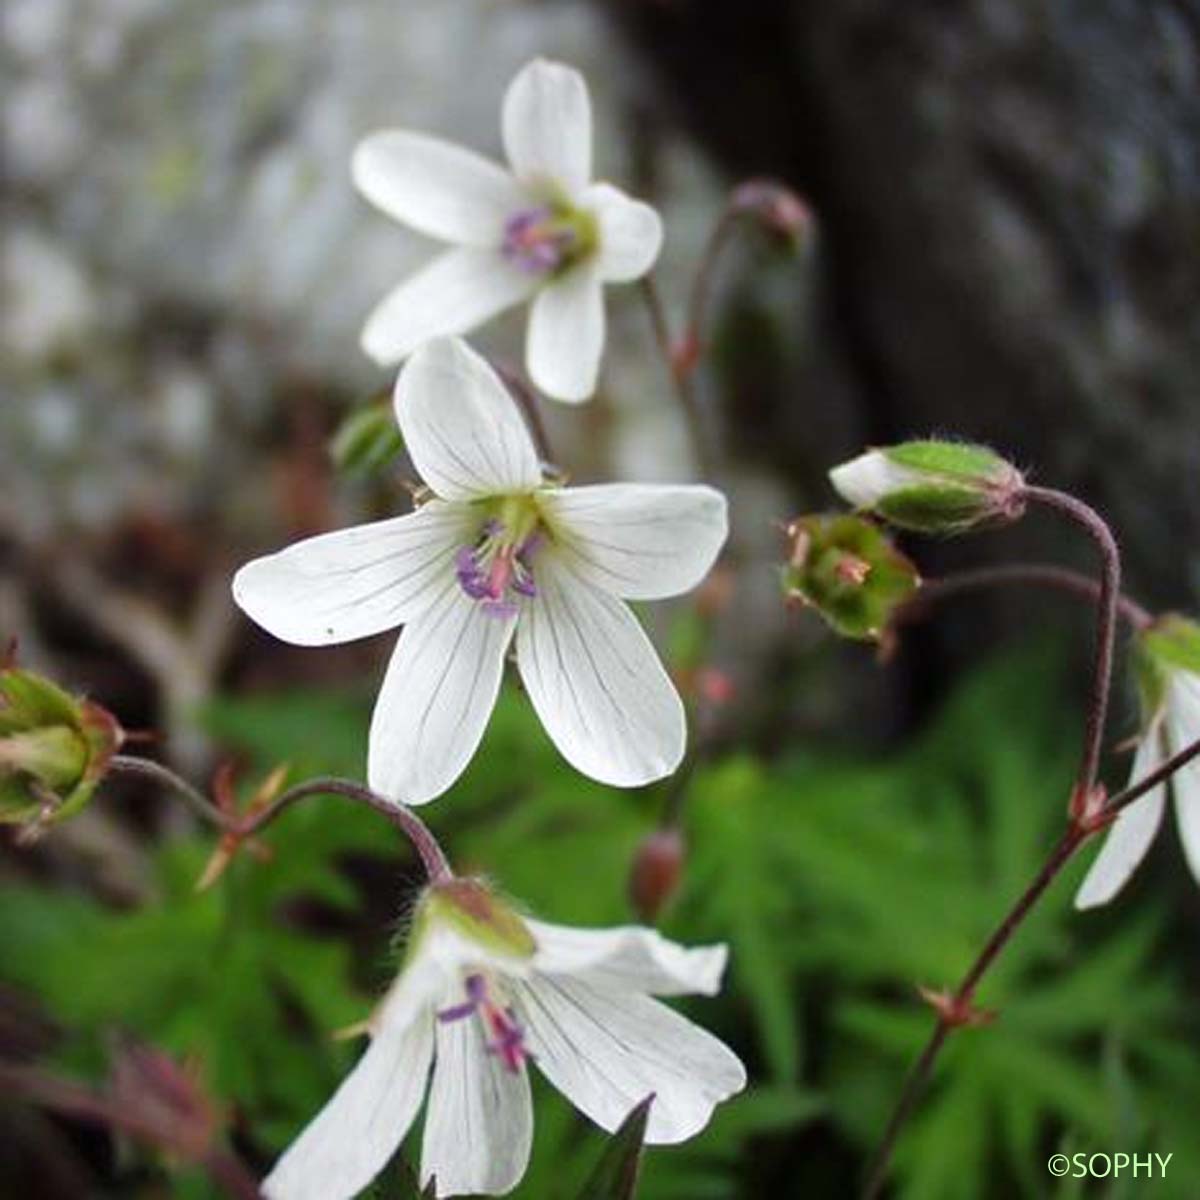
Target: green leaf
{"points": [[616, 1174]]}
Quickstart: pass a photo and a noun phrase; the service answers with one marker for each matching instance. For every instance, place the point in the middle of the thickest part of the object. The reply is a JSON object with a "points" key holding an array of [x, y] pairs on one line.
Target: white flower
{"points": [[482, 994], [1174, 724], [498, 553], [540, 231]]}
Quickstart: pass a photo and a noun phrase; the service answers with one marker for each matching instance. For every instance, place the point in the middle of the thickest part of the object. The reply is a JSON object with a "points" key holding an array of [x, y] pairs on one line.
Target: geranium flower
{"points": [[539, 231], [498, 552], [484, 992], [1168, 671]]}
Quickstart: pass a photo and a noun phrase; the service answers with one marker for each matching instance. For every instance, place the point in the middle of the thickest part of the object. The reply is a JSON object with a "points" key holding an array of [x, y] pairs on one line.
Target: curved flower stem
{"points": [[681, 377], [1076, 834], [432, 857], [957, 1008], [1084, 819], [1106, 621], [948, 587]]}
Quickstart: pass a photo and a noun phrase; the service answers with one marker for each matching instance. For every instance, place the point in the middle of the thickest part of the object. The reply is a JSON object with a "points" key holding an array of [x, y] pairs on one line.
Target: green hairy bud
{"points": [[933, 486]]}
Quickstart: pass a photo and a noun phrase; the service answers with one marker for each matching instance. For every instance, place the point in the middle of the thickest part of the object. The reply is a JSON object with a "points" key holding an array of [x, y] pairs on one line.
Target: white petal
{"points": [[456, 292], [566, 335], [351, 1139], [596, 681], [461, 427], [435, 187], [439, 690], [1127, 842], [355, 582], [631, 957], [865, 480], [1183, 716], [547, 125], [479, 1124], [630, 233], [607, 1050], [640, 541]]}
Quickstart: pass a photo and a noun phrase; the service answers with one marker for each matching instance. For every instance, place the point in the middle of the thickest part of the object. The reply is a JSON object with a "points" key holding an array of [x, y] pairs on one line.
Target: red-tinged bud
{"points": [[655, 874], [776, 206], [714, 686]]}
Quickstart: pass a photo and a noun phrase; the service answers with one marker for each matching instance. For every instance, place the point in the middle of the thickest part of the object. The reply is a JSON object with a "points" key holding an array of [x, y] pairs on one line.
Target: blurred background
{"points": [[1005, 203]]}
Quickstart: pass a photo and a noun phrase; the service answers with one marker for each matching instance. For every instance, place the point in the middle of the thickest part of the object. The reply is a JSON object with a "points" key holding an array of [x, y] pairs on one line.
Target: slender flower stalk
{"points": [[1106, 621], [1048, 575], [432, 857], [956, 1010], [680, 371]]}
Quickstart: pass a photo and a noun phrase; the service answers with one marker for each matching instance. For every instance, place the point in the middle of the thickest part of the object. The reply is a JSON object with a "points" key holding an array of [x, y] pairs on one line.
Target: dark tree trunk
{"points": [[1009, 203]]}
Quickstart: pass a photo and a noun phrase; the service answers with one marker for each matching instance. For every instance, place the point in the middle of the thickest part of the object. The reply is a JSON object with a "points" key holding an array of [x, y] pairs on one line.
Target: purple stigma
{"points": [[507, 1036], [495, 572], [532, 243]]}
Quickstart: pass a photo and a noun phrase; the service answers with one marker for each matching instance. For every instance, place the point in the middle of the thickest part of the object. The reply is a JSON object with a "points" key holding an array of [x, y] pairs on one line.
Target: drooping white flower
{"points": [[498, 553], [482, 993], [1168, 662], [540, 230]]}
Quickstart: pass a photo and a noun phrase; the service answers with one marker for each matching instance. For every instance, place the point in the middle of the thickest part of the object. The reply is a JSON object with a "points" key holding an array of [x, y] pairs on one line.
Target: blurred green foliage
{"points": [[839, 883]]}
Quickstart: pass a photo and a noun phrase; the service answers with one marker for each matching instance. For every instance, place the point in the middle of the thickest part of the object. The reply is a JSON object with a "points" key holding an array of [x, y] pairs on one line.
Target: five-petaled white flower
{"points": [[541, 230], [483, 992], [1168, 670], [499, 552]]}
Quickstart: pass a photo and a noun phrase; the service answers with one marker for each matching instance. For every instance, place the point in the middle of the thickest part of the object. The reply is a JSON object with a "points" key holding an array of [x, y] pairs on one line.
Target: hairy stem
{"points": [[1063, 579], [961, 999], [432, 858], [1070, 841], [1082, 824], [1106, 621]]}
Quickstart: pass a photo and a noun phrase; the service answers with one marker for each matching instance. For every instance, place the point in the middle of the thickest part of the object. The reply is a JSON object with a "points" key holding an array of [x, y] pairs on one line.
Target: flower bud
{"points": [[776, 206], [367, 440], [54, 749], [655, 873], [933, 486], [847, 569]]}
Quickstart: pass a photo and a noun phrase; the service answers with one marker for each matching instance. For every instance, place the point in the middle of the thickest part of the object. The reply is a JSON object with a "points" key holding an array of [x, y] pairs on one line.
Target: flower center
{"points": [[544, 239], [506, 1037], [497, 570]]}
